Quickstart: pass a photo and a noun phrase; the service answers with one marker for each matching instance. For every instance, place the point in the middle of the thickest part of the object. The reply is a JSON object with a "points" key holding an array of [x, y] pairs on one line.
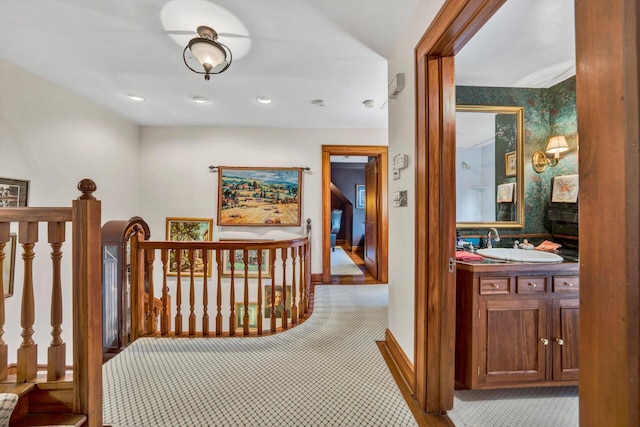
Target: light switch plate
{"points": [[400, 199]]}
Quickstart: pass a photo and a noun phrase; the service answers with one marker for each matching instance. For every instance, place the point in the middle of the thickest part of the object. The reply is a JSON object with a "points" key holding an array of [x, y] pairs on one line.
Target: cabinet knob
{"points": [[495, 285], [544, 341], [568, 284], [560, 341], [533, 285]]}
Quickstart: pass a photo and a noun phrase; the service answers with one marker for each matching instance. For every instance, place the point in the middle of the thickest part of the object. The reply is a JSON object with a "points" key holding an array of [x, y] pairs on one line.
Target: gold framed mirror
{"points": [[489, 166]]}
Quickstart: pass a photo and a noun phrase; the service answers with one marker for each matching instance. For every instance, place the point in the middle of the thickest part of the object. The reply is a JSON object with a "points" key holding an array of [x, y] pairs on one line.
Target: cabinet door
{"points": [[510, 337], [565, 339]]}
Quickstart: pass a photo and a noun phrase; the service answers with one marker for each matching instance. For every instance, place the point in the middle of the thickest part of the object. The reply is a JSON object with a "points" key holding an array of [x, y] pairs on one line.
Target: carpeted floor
{"points": [[516, 407], [326, 372], [342, 264]]}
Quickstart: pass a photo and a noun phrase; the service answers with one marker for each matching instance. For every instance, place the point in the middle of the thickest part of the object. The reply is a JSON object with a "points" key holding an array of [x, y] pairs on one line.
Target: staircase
{"points": [[43, 404]]}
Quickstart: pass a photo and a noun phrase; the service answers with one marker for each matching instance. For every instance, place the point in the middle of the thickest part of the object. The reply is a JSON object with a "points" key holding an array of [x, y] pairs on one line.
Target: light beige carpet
{"points": [[342, 264]]}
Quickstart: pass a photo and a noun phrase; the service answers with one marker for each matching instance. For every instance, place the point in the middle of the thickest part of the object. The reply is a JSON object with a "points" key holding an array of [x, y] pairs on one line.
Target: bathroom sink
{"points": [[519, 255]]}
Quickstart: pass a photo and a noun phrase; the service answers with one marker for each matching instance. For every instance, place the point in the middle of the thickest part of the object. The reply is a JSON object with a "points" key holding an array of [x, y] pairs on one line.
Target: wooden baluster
{"points": [[151, 317], [245, 319], [273, 290], [5, 236], [219, 293], [294, 305], [260, 261], [28, 351], [164, 315], [205, 293], [303, 295], [57, 348], [232, 292], [285, 313], [178, 318], [192, 292], [307, 276]]}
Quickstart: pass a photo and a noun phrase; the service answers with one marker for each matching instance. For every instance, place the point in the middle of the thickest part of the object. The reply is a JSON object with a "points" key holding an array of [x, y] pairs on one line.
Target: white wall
{"points": [[402, 140], [54, 138], [175, 180]]}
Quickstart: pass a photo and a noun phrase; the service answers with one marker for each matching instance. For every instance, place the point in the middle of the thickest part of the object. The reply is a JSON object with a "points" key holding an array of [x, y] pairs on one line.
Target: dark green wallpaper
{"points": [[547, 112]]}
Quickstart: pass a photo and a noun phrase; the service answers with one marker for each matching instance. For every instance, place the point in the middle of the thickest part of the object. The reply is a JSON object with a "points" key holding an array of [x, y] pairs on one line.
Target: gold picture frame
{"points": [[510, 163], [193, 230], [238, 270], [252, 307]]}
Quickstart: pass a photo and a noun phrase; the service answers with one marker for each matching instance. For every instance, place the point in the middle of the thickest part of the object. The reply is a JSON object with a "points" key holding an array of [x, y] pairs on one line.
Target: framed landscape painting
{"points": [[259, 196], [238, 265], [189, 230], [14, 193]]}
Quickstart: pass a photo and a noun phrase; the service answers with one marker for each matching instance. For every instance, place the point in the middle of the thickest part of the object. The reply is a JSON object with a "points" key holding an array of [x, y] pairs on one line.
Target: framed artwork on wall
{"points": [[510, 163], [252, 309], [360, 196], [279, 301], [238, 266], [8, 265], [259, 196], [14, 193], [188, 230]]}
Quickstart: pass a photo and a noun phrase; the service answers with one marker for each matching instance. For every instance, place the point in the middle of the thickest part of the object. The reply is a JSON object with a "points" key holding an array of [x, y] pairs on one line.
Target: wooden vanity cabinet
{"points": [[516, 325]]}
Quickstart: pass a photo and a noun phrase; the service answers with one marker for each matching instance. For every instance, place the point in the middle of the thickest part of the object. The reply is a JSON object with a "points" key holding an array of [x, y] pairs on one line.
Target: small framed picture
{"points": [[360, 196], [510, 163], [188, 230], [14, 193], [279, 301], [8, 266], [252, 309], [238, 264]]}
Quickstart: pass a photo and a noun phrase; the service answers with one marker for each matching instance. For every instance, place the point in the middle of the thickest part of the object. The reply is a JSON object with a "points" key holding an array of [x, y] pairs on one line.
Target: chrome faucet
{"points": [[496, 238]]}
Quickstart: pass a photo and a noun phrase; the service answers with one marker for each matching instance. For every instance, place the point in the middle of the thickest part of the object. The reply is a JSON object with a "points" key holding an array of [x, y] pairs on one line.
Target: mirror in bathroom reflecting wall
{"points": [[489, 166]]}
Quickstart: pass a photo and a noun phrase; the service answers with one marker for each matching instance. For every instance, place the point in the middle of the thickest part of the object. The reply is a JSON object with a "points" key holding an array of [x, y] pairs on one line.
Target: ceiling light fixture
{"points": [[264, 100], [214, 57], [199, 99], [135, 96]]}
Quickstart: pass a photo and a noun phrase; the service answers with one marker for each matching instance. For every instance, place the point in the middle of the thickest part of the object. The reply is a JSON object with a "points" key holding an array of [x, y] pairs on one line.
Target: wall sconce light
{"points": [[555, 146], [214, 57]]}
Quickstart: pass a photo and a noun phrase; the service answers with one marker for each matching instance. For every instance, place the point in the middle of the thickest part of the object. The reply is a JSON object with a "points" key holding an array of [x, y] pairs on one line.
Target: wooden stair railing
{"points": [[280, 270], [79, 401]]}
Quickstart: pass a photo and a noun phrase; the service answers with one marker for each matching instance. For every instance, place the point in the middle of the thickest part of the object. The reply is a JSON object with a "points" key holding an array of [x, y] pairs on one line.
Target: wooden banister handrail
{"points": [[37, 214], [187, 268]]}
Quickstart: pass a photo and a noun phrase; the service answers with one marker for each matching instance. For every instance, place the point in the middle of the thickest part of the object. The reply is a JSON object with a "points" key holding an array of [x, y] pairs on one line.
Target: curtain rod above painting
{"points": [[215, 168]]}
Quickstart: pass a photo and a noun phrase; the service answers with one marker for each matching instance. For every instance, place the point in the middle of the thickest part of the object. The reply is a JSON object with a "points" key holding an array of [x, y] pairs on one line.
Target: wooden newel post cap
{"points": [[87, 187]]}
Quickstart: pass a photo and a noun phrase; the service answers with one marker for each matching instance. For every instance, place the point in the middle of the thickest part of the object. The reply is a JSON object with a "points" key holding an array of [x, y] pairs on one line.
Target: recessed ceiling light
{"points": [[318, 102], [264, 100], [369, 103], [135, 96], [199, 99]]}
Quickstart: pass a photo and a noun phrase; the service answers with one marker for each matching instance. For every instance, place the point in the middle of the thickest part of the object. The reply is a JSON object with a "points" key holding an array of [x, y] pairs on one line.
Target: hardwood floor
{"points": [[366, 279]]}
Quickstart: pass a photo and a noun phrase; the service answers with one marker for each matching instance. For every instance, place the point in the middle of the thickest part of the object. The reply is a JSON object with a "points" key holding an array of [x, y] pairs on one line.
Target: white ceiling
{"points": [[296, 51]]}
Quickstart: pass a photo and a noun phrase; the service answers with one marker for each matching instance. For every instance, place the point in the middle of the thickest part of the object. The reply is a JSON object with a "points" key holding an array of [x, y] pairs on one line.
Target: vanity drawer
{"points": [[566, 284], [495, 285], [531, 285]]}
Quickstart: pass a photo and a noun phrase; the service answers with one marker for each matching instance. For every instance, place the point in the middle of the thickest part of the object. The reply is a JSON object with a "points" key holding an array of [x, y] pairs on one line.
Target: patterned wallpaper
{"points": [[547, 112]]}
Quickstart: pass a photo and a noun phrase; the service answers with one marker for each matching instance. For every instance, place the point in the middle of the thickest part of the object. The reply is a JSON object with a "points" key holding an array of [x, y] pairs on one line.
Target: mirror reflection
{"points": [[489, 156]]}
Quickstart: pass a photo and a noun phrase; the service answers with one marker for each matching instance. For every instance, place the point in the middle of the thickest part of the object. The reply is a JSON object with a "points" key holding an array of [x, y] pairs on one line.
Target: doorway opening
{"points": [[354, 214]]}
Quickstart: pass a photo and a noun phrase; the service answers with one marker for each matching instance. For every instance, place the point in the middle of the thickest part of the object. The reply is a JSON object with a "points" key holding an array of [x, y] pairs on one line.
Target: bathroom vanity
{"points": [[516, 324]]}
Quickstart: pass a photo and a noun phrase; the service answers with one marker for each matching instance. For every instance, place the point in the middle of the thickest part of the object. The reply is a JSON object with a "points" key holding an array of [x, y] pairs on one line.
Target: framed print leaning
{"points": [[14, 193], [189, 230], [259, 196]]}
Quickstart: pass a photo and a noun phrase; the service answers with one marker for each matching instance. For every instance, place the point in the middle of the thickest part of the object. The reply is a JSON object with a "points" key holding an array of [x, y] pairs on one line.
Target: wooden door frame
{"points": [[607, 89], [383, 229]]}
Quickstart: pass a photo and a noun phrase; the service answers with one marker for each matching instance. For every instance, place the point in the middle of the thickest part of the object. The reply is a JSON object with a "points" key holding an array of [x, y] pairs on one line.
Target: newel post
{"points": [[137, 315], [87, 305]]}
